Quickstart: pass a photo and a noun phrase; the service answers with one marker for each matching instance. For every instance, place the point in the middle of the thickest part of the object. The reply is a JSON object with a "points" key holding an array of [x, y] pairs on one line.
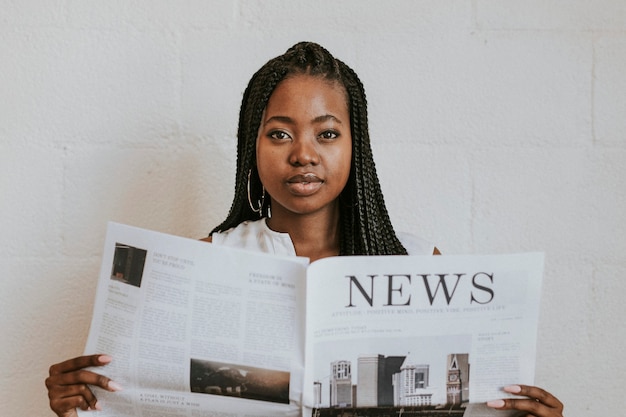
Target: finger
{"points": [[64, 399], [79, 378], [533, 407], [65, 413], [79, 363], [66, 407], [66, 391], [86, 377], [536, 393]]}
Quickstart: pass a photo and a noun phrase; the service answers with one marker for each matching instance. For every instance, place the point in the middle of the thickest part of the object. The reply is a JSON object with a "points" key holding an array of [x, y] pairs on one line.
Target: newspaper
{"points": [[197, 329]]}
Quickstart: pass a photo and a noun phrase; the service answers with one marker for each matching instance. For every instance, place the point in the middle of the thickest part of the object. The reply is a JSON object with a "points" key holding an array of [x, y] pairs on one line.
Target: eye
{"points": [[279, 135], [329, 134]]}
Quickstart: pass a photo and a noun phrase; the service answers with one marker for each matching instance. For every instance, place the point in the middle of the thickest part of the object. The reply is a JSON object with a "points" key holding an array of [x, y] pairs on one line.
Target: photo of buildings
{"points": [[426, 378]]}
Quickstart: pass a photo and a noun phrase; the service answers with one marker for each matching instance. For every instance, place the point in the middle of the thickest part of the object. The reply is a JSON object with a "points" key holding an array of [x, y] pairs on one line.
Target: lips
{"points": [[304, 184]]}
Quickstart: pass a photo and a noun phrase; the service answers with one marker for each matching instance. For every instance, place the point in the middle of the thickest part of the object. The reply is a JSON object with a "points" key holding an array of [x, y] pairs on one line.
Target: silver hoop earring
{"points": [[260, 202]]}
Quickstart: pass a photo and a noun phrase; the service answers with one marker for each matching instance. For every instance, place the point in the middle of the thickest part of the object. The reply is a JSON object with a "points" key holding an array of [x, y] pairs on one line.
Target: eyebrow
{"points": [[289, 120]]}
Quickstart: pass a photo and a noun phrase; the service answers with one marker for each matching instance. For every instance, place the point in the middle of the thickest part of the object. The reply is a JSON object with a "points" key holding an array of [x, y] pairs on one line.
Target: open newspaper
{"points": [[197, 329]]}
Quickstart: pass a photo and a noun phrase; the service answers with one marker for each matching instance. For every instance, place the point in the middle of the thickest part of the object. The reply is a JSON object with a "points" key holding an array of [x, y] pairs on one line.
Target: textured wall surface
{"points": [[498, 126]]}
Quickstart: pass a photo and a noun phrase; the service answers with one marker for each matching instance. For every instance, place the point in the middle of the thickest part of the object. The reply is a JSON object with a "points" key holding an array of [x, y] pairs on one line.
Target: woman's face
{"points": [[304, 145]]}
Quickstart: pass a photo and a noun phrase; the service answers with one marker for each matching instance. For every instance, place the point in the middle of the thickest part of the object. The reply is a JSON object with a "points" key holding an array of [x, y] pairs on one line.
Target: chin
{"points": [[304, 209]]}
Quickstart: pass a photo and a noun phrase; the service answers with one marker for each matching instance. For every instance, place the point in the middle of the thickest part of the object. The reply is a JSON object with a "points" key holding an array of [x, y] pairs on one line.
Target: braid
{"points": [[365, 225], [370, 231], [254, 101]]}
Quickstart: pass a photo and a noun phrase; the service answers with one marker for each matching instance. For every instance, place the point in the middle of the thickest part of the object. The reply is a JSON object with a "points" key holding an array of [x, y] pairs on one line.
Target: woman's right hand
{"points": [[68, 385]]}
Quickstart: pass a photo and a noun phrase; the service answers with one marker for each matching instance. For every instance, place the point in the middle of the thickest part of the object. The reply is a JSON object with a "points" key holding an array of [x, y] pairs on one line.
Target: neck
{"points": [[313, 235]]}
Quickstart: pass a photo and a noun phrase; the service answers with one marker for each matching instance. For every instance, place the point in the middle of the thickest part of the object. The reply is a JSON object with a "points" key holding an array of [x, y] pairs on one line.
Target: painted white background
{"points": [[498, 126]]}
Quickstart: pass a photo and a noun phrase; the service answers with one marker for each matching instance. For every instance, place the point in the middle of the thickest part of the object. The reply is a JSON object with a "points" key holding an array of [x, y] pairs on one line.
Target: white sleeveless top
{"points": [[257, 236]]}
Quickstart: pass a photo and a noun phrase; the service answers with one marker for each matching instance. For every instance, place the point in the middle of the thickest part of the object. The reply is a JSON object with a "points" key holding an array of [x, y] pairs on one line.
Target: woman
{"points": [[270, 138], [305, 185]]}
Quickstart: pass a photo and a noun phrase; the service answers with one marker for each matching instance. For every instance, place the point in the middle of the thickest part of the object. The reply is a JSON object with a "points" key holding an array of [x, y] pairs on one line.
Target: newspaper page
{"points": [[195, 329], [417, 335]]}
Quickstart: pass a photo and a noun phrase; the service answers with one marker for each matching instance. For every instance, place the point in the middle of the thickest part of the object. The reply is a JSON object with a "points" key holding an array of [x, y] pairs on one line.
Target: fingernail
{"points": [[104, 359], [495, 403], [114, 386], [97, 406], [513, 389]]}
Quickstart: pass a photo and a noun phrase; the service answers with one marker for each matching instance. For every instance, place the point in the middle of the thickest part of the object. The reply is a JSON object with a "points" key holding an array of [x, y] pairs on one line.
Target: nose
{"points": [[304, 152]]}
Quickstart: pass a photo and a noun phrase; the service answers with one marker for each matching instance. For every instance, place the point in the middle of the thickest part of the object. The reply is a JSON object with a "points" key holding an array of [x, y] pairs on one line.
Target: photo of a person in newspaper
{"points": [[305, 185]]}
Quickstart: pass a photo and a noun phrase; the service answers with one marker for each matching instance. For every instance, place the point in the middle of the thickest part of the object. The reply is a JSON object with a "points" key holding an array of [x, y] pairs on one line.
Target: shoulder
{"points": [[255, 235], [417, 246], [243, 232]]}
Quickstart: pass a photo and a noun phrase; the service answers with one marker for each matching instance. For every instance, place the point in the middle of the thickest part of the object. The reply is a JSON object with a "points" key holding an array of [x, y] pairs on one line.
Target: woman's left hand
{"points": [[540, 403]]}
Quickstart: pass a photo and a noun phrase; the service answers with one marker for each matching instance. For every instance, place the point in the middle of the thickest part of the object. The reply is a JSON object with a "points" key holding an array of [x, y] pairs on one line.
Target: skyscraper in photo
{"points": [[375, 379], [340, 384], [411, 384], [457, 381]]}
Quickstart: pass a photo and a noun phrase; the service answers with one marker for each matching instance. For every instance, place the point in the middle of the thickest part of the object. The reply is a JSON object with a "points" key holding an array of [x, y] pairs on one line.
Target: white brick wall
{"points": [[498, 126]]}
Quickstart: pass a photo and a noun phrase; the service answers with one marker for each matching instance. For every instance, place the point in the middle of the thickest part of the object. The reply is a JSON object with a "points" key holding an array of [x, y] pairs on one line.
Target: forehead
{"points": [[306, 92]]}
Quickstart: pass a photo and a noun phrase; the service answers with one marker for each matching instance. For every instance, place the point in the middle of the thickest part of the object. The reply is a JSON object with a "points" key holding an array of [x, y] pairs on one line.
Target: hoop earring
{"points": [[260, 202]]}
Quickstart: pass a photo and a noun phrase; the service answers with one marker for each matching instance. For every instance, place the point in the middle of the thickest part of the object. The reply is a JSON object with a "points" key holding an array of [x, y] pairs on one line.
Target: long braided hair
{"points": [[365, 225]]}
